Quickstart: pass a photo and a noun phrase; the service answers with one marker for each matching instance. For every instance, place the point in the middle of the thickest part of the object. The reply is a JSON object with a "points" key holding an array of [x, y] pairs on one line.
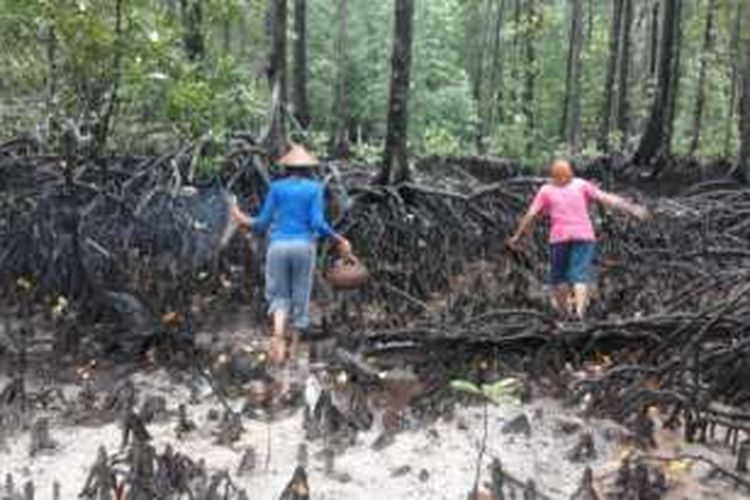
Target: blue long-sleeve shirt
{"points": [[294, 210]]}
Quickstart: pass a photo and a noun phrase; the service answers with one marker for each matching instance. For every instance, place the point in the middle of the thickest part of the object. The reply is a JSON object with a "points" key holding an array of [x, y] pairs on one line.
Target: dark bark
{"points": [[570, 129], [275, 137], [52, 73], [365, 130], [299, 74], [623, 85], [101, 131], [340, 136], [192, 26], [395, 161], [517, 24], [655, 141], [515, 74], [527, 99], [609, 79], [743, 161], [492, 94], [700, 99], [654, 40], [734, 55], [676, 73], [242, 29], [226, 32], [480, 49]]}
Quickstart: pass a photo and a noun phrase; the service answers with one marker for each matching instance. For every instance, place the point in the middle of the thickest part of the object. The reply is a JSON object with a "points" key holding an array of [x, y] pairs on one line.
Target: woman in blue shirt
{"points": [[293, 213]]}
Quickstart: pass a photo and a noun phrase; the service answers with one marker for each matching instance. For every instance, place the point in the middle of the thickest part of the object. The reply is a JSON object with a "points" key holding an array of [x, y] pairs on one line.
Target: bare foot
{"points": [[278, 350]]}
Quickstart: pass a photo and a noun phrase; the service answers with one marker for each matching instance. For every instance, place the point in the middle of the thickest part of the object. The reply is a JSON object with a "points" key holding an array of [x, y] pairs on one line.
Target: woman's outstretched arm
{"points": [[616, 202]]}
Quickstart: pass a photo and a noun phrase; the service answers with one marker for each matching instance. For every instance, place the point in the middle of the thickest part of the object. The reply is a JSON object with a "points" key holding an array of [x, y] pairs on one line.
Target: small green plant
{"points": [[494, 392], [502, 390]]}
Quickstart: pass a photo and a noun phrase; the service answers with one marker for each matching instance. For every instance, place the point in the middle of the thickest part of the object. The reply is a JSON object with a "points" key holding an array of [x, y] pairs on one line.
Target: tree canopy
{"points": [[486, 75]]}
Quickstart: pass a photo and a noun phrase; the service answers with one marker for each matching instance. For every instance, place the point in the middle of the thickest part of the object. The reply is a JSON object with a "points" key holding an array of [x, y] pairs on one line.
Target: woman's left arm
{"points": [[616, 202]]}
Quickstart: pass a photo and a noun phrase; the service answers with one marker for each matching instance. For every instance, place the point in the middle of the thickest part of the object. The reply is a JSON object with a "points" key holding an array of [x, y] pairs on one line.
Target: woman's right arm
{"points": [[239, 217], [538, 205], [261, 221]]}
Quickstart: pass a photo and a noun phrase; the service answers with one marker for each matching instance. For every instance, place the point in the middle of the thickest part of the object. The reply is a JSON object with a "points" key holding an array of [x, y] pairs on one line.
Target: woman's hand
{"points": [[616, 202], [514, 242], [344, 247], [640, 212], [238, 217]]}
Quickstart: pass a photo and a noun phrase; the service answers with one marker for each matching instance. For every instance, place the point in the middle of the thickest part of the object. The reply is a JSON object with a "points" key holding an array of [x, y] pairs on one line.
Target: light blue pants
{"points": [[289, 277]]}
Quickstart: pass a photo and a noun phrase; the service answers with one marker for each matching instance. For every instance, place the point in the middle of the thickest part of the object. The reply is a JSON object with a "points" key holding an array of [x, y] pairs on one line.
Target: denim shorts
{"points": [[289, 277], [572, 262]]}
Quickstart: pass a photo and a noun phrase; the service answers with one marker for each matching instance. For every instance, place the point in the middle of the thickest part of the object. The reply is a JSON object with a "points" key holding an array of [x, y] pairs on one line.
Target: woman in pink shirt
{"points": [[567, 199]]}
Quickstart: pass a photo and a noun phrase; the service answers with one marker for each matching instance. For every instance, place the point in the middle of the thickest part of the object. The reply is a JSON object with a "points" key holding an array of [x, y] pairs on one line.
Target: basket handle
{"points": [[350, 259]]}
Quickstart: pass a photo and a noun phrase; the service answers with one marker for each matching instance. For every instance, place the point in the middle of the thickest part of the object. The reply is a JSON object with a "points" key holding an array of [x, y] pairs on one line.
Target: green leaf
{"points": [[465, 386], [502, 389]]}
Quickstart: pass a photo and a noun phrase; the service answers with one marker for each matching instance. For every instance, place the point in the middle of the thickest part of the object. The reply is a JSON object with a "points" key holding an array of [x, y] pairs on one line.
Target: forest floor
{"points": [[447, 303], [429, 459]]}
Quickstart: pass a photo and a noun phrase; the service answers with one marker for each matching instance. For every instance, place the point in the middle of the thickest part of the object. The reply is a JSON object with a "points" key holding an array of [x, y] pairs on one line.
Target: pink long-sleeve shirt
{"points": [[568, 209]]}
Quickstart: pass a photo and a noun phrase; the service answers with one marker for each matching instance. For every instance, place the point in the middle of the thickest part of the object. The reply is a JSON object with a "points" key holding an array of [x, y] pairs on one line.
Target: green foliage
{"points": [[211, 99], [465, 386], [439, 140], [64, 59], [443, 111], [495, 392], [206, 167]]}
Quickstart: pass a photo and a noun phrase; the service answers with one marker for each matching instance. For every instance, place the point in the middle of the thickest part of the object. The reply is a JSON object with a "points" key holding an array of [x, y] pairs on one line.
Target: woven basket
{"points": [[347, 274]]}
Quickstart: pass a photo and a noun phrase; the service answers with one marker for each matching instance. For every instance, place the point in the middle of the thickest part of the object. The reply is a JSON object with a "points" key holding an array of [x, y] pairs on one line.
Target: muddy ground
{"points": [[430, 457]]}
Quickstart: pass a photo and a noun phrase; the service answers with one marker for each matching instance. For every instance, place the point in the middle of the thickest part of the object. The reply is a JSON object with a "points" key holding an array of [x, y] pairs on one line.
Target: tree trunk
{"points": [[395, 160], [52, 72], [226, 32], [676, 70], [104, 122], [700, 100], [242, 33], [515, 88], [515, 74], [734, 55], [571, 120], [517, 24], [479, 50], [623, 85], [492, 90], [530, 76], [654, 38], [192, 25], [655, 141], [340, 136], [299, 95], [275, 136], [609, 79], [743, 161]]}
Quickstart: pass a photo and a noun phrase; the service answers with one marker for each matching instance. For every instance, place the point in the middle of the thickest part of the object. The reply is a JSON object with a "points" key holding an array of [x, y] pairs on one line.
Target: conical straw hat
{"points": [[298, 157]]}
